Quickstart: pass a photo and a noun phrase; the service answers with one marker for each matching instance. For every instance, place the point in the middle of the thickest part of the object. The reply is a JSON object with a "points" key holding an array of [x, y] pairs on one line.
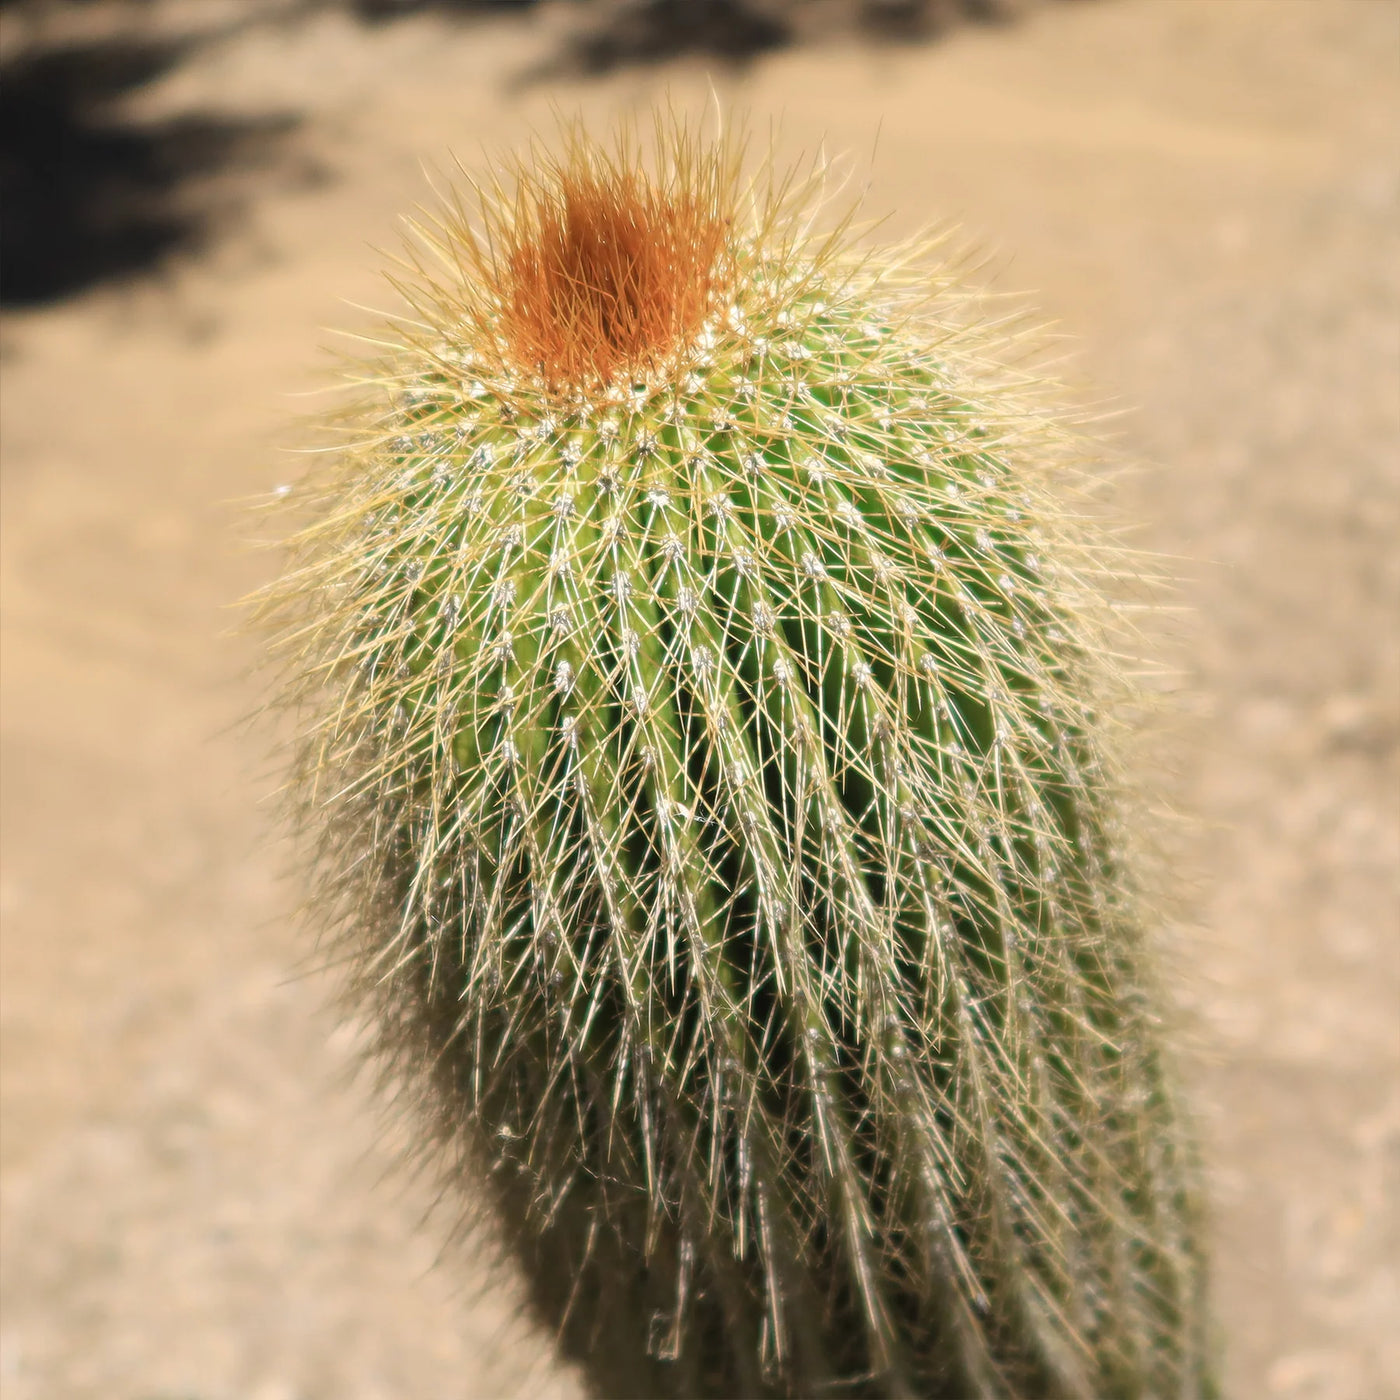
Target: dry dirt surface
{"points": [[199, 1203]]}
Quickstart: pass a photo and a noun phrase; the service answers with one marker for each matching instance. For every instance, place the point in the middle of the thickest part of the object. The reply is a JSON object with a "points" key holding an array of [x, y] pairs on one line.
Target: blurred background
{"points": [[197, 1198]]}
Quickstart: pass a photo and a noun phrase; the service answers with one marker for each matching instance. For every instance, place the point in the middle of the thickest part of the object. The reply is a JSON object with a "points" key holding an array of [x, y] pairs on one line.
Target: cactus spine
{"points": [[699, 689]]}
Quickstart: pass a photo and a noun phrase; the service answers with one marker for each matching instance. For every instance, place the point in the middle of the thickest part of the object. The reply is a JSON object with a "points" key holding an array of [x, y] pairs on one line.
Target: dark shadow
{"points": [[630, 32], [648, 31], [619, 33], [86, 195], [914, 20], [379, 10]]}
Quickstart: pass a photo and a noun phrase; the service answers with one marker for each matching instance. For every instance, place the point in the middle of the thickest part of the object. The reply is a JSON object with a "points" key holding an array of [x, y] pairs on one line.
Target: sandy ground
{"points": [[197, 1203]]}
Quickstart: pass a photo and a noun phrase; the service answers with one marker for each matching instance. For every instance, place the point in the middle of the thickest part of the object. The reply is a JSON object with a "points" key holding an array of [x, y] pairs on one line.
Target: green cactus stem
{"points": [[699, 665]]}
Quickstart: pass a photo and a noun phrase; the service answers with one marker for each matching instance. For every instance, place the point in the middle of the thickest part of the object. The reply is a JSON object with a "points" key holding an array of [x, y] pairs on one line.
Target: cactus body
{"points": [[701, 747]]}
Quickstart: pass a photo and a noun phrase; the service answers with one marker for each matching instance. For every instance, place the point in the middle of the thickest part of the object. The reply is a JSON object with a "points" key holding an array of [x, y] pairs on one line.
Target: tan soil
{"points": [[1203, 192]]}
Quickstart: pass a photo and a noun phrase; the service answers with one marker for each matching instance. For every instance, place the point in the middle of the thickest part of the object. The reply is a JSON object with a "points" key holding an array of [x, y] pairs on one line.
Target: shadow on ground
{"points": [[619, 33], [90, 194]]}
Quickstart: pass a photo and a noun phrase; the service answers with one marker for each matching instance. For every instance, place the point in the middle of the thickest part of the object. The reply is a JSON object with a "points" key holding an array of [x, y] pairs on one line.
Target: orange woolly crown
{"points": [[597, 262]]}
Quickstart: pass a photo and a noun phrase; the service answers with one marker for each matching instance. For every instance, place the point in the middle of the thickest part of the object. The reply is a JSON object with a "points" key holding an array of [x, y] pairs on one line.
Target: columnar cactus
{"points": [[699, 691]]}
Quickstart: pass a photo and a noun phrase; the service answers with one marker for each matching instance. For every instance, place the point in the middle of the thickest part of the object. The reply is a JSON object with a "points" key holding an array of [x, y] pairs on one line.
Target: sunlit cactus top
{"points": [[697, 670]]}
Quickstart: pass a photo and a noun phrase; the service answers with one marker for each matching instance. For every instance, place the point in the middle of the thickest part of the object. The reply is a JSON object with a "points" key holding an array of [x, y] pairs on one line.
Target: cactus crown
{"points": [[699, 686], [588, 267], [601, 270]]}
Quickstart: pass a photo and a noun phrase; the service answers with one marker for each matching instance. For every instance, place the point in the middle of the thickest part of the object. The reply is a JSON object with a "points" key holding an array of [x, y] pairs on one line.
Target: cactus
{"points": [[700, 682]]}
